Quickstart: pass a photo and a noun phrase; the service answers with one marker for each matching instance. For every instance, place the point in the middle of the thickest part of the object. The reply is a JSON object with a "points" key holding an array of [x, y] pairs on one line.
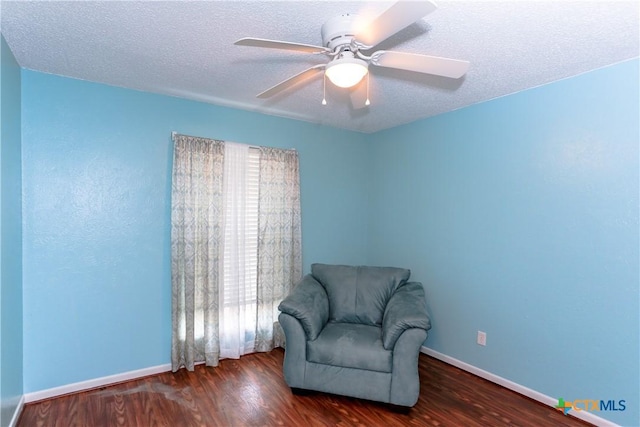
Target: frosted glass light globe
{"points": [[346, 72]]}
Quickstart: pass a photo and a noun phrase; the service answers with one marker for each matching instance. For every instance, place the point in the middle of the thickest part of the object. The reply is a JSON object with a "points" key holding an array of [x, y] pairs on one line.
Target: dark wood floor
{"points": [[252, 392]]}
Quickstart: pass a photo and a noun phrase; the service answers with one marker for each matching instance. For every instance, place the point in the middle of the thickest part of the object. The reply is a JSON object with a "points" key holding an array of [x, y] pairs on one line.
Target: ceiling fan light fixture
{"points": [[346, 72], [345, 37]]}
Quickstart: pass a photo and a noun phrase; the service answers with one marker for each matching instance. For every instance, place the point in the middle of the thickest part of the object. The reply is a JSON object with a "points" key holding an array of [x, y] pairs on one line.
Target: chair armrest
{"points": [[406, 309], [308, 302]]}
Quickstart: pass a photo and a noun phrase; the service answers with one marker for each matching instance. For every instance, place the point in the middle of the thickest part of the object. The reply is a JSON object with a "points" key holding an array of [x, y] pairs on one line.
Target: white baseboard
{"points": [[543, 398], [18, 411], [95, 383]]}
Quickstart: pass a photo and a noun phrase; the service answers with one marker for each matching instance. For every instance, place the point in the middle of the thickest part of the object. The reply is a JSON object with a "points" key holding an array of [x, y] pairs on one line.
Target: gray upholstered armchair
{"points": [[355, 331]]}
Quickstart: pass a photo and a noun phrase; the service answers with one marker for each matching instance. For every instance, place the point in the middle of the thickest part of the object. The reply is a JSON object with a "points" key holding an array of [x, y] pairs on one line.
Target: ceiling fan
{"points": [[345, 41]]}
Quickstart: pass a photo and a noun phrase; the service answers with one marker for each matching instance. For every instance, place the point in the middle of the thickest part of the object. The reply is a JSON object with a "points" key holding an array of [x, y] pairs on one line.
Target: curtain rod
{"points": [[174, 133]]}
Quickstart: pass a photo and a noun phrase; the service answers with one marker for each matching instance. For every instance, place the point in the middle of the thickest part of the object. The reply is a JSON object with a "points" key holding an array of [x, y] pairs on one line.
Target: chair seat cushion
{"points": [[350, 345]]}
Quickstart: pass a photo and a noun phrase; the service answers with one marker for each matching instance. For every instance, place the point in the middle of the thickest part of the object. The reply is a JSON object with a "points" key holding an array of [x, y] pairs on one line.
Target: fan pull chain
{"points": [[367, 102], [324, 89]]}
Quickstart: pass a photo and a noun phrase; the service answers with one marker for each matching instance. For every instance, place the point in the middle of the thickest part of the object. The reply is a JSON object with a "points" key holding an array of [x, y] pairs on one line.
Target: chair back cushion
{"points": [[358, 294]]}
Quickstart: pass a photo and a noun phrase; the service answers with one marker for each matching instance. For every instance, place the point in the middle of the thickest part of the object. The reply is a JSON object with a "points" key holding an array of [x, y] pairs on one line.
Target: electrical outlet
{"points": [[482, 338]]}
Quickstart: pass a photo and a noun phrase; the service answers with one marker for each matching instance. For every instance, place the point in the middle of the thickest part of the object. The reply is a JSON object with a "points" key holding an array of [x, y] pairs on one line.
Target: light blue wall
{"points": [[10, 237], [97, 175], [520, 216]]}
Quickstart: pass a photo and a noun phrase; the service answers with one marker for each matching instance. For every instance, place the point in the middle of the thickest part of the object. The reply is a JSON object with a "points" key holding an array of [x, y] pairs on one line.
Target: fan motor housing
{"points": [[338, 31]]}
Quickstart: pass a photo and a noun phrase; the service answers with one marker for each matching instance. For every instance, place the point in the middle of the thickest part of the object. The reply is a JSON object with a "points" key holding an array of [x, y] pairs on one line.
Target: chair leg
{"points": [[300, 391], [398, 409]]}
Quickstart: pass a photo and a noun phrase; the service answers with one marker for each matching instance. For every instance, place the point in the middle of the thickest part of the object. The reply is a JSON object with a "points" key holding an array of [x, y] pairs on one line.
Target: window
{"points": [[222, 264]]}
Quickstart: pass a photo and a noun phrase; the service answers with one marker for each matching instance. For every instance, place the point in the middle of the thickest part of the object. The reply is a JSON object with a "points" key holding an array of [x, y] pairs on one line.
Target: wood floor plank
{"points": [[252, 392]]}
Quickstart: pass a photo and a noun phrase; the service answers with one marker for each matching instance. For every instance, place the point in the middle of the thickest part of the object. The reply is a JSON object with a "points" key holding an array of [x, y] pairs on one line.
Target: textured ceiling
{"points": [[186, 49]]}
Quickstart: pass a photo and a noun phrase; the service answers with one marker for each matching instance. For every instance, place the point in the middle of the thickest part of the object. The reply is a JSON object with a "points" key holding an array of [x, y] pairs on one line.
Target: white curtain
{"points": [[238, 294], [235, 247]]}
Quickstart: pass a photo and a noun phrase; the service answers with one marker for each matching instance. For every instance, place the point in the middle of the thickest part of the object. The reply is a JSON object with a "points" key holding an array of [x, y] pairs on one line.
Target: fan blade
{"points": [[359, 95], [446, 67], [276, 44], [399, 16], [292, 81]]}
